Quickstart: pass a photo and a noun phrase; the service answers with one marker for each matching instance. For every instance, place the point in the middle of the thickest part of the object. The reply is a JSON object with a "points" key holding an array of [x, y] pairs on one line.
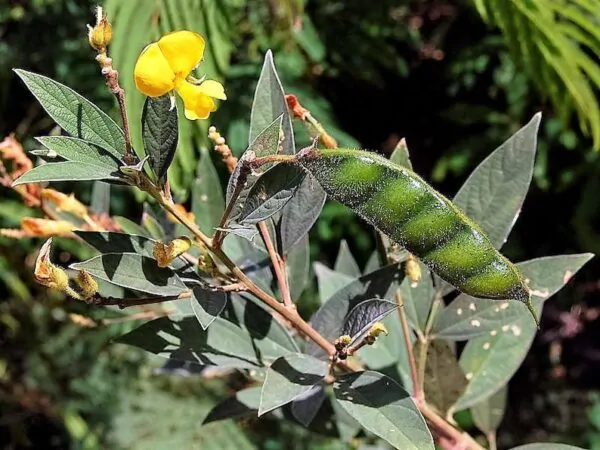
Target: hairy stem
{"points": [[426, 338]]}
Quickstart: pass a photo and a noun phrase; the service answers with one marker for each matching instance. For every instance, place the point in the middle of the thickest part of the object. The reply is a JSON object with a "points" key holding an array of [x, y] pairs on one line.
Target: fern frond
{"points": [[558, 43]]}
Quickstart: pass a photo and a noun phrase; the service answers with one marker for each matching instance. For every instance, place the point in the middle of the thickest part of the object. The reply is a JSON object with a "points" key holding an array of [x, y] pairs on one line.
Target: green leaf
{"points": [[77, 150], [113, 242], [301, 213], [68, 171], [400, 155], [269, 103], [243, 403], [152, 225], [271, 193], [490, 361], [306, 406], [468, 317], [130, 227], [329, 281], [207, 304], [289, 377], [418, 299], [207, 197], [489, 413], [223, 344], [494, 193], [76, 115], [345, 262], [384, 408], [133, 271], [362, 317], [160, 132], [331, 316], [298, 267], [546, 446], [444, 381]]}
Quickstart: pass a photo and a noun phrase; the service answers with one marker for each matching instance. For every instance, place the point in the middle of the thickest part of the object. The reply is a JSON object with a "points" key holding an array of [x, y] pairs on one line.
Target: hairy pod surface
{"points": [[402, 205]]}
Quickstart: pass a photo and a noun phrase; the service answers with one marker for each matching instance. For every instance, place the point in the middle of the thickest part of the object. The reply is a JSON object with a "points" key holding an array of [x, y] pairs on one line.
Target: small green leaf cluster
{"points": [[394, 387]]}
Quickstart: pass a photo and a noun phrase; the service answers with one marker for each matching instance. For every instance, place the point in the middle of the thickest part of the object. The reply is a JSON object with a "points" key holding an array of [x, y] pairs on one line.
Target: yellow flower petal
{"points": [[213, 89], [153, 74], [183, 50], [197, 104]]}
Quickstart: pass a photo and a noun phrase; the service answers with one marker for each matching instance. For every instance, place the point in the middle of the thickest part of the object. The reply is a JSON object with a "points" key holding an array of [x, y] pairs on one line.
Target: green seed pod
{"points": [[402, 205]]}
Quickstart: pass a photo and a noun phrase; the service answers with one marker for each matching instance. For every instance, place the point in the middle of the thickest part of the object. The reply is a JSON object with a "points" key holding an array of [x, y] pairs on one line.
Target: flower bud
{"points": [[165, 254], [295, 107], [66, 203], [46, 273], [412, 269], [88, 286], [44, 227], [327, 140], [100, 35], [377, 329]]}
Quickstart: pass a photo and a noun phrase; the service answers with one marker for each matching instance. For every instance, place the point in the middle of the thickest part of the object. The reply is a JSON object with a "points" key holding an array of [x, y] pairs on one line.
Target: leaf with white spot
{"points": [[490, 361]]}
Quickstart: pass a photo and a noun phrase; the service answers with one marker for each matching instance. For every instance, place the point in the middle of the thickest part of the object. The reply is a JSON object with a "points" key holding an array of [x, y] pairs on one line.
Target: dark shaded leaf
{"points": [[384, 408], [306, 406], [207, 304], [243, 403], [362, 317], [160, 132], [301, 213], [271, 192], [298, 267], [289, 377]]}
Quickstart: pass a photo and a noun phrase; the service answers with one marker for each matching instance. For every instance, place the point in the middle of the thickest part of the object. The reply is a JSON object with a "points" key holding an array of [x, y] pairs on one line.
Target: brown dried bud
{"points": [[165, 254], [412, 269], [327, 140], [64, 202], [46, 273], [100, 35], [88, 286], [45, 227]]}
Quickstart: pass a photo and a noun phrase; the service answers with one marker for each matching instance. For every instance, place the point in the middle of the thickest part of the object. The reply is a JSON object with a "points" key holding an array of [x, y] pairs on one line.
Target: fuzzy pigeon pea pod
{"points": [[402, 205]]}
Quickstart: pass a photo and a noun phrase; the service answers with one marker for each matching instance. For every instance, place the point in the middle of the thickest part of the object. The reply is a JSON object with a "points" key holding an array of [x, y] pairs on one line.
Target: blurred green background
{"points": [[455, 77]]}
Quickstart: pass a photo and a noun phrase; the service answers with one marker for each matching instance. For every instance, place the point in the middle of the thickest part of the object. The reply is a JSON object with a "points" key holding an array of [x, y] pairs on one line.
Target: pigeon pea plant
{"points": [[378, 357]]}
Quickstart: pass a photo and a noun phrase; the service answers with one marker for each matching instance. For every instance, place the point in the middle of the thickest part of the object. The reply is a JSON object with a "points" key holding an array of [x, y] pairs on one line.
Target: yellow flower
{"points": [[166, 65], [377, 329]]}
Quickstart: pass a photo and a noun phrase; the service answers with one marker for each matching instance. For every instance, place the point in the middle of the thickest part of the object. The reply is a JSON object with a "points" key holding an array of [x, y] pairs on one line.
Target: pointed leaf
{"points": [[208, 203], [345, 262], [298, 267], [207, 304], [133, 271], [269, 103], [400, 155], [418, 299], [329, 281], [362, 317], [271, 193], [160, 132], [100, 203], [493, 194], [68, 171], [490, 361], [301, 213], [243, 403], [306, 406], [76, 115], [288, 378], [384, 408], [78, 150]]}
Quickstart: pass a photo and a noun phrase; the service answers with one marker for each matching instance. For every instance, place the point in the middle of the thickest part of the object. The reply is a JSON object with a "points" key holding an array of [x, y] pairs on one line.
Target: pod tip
{"points": [[533, 312]]}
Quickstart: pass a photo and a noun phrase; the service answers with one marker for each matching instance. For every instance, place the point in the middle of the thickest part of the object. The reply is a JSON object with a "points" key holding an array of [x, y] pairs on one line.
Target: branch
{"points": [[280, 274]]}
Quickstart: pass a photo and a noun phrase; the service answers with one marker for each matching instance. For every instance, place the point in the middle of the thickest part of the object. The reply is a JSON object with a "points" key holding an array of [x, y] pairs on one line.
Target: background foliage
{"points": [[430, 71]]}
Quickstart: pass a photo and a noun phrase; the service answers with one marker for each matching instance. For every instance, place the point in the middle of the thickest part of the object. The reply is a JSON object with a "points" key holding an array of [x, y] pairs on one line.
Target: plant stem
{"points": [[418, 393], [445, 429], [491, 437], [426, 338], [277, 265]]}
